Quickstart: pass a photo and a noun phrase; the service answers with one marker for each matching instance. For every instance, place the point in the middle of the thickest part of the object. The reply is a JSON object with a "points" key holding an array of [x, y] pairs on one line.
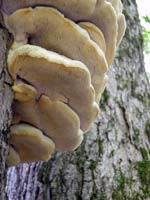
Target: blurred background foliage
{"points": [[146, 34]]}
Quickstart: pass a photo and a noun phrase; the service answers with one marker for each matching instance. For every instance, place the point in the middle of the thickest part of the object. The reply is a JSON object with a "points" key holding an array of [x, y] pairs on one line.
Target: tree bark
{"points": [[5, 106], [113, 161]]}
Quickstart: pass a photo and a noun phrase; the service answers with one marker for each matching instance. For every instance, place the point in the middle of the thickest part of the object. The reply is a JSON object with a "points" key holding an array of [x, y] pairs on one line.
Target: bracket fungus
{"points": [[61, 35], [59, 60], [117, 4], [56, 119], [30, 143], [58, 77], [95, 34], [23, 92], [13, 157]]}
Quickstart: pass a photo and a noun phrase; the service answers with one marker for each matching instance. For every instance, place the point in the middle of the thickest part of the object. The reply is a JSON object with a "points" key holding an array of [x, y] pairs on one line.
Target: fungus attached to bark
{"points": [[56, 119], [24, 92], [58, 77], [59, 62], [13, 158], [30, 143], [100, 13], [60, 35]]}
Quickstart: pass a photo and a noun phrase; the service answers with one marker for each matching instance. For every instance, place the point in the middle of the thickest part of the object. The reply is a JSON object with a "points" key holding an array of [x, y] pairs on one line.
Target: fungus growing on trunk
{"points": [[59, 60], [30, 143], [13, 157], [58, 77], [61, 35], [117, 4], [24, 92], [57, 120]]}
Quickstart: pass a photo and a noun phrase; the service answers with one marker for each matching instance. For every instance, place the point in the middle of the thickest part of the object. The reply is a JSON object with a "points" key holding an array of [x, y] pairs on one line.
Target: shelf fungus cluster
{"points": [[59, 61]]}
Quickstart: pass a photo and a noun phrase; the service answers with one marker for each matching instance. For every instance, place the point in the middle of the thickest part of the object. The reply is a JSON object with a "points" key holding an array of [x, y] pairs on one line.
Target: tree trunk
{"points": [[5, 107], [112, 162]]}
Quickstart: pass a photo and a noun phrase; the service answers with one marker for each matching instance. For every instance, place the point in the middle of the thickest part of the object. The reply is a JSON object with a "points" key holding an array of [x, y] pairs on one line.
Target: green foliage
{"points": [[146, 34], [147, 19], [103, 196]]}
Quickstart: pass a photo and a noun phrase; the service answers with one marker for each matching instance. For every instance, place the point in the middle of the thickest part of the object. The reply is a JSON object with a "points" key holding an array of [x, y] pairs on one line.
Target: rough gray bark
{"points": [[112, 162], [5, 107]]}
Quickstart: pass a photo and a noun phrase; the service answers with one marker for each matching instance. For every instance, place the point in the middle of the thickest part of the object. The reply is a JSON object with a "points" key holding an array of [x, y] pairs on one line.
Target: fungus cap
{"points": [[117, 4], [95, 34], [13, 158], [100, 13], [55, 118], [105, 18], [121, 28], [24, 92], [30, 143], [58, 77], [72, 8], [60, 35], [103, 86]]}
